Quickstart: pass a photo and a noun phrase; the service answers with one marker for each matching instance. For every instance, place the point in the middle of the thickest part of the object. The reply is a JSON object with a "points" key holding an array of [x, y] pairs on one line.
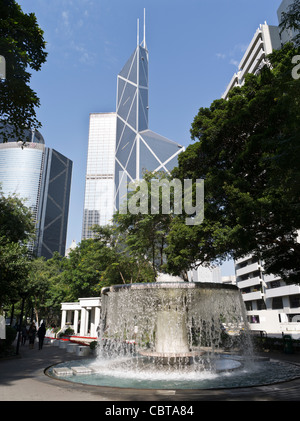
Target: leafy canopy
{"points": [[16, 230], [248, 151], [23, 47]]}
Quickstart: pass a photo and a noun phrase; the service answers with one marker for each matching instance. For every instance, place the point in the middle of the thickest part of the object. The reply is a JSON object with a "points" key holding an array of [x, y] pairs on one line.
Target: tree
{"points": [[22, 45], [16, 230], [145, 226], [100, 262], [47, 290], [291, 20], [248, 152]]}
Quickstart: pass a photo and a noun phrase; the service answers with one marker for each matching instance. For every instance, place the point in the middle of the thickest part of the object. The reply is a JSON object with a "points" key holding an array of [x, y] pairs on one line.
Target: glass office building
{"points": [[42, 178], [99, 183], [138, 148]]}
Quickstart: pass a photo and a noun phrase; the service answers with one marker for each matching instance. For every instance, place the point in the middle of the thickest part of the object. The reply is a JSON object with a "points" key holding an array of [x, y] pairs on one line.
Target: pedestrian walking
{"points": [[41, 335], [31, 335], [24, 335]]}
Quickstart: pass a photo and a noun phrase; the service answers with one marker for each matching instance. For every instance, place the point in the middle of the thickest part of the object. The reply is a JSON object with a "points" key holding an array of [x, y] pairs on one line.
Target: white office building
{"points": [[265, 40], [99, 184], [272, 306]]}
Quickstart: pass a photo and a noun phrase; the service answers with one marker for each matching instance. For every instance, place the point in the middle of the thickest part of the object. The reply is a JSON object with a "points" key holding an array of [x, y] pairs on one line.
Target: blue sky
{"points": [[194, 49]]}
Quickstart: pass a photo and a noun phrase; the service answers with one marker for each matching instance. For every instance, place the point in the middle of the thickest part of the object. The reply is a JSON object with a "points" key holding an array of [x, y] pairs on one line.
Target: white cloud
{"points": [[234, 62]]}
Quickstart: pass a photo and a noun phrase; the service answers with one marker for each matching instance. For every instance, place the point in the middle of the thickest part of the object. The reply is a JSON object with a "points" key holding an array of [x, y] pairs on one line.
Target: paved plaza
{"points": [[23, 379]]}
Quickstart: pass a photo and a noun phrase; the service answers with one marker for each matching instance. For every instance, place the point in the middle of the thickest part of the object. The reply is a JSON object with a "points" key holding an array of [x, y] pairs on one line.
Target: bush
{"points": [[11, 334], [68, 332], [6, 344], [93, 345], [272, 344]]}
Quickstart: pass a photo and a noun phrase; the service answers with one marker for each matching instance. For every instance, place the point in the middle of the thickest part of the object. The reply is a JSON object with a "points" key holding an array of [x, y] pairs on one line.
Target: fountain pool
{"points": [[174, 335], [122, 374]]}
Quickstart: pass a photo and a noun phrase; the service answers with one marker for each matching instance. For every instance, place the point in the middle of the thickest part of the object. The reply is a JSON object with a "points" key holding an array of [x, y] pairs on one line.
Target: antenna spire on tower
{"points": [[144, 42]]}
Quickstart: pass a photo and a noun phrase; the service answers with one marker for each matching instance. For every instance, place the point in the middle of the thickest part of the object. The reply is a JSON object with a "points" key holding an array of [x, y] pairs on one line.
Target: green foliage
{"points": [[16, 223], [92, 265], [68, 332], [93, 345], [23, 47], [46, 288], [100, 262], [16, 229], [248, 152], [6, 348], [146, 231], [11, 334]]}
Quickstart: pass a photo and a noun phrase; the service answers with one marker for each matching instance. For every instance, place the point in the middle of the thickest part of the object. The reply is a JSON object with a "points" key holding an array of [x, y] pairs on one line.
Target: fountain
{"points": [[174, 334], [171, 322]]}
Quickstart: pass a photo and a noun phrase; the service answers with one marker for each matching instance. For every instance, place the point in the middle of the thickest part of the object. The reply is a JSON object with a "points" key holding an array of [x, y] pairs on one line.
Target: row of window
{"points": [[277, 303], [292, 318]]}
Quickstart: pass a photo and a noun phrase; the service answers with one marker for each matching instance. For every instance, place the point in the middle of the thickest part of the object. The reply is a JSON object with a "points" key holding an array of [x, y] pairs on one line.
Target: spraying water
{"points": [[174, 334], [173, 323]]}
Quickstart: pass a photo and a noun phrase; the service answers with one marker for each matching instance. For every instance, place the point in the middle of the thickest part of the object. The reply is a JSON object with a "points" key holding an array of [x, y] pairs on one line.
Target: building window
{"points": [[277, 303], [253, 319], [295, 301], [275, 284], [248, 305], [294, 318], [245, 290], [261, 305]]}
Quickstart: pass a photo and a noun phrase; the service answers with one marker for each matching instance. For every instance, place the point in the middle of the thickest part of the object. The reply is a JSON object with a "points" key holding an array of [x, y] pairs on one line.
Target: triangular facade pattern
{"points": [[138, 148]]}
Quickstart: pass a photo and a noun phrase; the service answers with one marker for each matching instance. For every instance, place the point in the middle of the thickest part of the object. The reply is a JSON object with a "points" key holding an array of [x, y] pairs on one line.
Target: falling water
{"points": [[172, 325], [174, 335]]}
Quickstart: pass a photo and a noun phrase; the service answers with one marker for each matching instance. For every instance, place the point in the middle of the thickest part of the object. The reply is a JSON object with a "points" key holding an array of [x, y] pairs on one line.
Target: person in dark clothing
{"points": [[31, 335], [24, 335], [41, 335]]}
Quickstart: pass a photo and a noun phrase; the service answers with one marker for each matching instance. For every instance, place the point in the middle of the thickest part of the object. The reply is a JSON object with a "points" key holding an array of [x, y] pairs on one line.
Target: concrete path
{"points": [[23, 379]]}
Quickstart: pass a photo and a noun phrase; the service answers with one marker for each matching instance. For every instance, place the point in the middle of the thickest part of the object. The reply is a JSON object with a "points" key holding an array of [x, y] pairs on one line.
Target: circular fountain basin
{"points": [[168, 320], [231, 372]]}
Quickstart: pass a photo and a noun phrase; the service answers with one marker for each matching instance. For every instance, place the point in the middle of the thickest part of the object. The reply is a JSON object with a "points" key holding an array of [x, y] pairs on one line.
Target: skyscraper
{"points": [[122, 142], [99, 184], [42, 178], [138, 148]]}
